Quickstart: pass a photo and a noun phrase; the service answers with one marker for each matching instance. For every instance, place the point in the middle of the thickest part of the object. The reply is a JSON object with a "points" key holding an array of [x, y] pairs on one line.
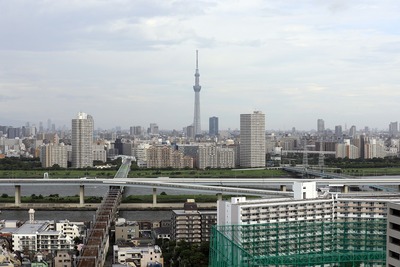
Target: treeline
{"points": [[23, 163], [345, 163], [184, 254], [14, 163], [53, 198]]}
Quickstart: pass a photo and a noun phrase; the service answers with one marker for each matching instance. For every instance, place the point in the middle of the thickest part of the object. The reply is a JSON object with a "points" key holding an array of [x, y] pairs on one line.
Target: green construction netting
{"points": [[323, 243]]}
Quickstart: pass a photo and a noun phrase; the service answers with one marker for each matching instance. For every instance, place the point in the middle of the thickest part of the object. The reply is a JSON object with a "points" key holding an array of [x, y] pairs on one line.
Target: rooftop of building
{"points": [[383, 197], [128, 247], [195, 212], [162, 230], [31, 228]]}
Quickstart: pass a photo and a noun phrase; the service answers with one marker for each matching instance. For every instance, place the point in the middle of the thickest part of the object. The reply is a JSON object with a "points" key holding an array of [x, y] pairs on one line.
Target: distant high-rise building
{"points": [[190, 131], [394, 128], [136, 130], [252, 139], [118, 145], [48, 125], [213, 126], [320, 125], [82, 141], [338, 131], [153, 129], [13, 133], [197, 88], [352, 131]]}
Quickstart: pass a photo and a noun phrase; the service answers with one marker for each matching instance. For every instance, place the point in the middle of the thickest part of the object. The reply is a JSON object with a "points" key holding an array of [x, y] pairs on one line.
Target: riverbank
{"points": [[94, 206]]}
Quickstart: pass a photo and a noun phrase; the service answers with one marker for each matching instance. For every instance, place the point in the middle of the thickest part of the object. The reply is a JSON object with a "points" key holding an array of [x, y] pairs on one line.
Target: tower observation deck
{"points": [[197, 88]]}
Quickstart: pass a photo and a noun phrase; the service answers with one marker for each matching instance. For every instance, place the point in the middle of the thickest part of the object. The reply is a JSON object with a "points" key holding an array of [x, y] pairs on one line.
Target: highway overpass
{"points": [[243, 186]]}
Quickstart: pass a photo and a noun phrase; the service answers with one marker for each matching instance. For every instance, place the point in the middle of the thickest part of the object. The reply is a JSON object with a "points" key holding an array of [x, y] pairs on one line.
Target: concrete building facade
{"points": [[52, 154], [163, 156], [213, 126], [82, 141], [393, 235], [192, 225], [138, 256], [252, 140]]}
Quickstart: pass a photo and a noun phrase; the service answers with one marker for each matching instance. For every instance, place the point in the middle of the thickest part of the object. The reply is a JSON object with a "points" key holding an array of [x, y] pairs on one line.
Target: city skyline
{"points": [[130, 62]]}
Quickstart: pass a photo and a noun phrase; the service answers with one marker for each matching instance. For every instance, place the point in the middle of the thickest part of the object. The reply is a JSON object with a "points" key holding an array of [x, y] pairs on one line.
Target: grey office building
{"points": [[213, 126]]}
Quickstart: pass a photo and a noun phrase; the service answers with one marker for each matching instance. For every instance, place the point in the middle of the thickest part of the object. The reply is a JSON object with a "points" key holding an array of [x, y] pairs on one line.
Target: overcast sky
{"points": [[132, 62]]}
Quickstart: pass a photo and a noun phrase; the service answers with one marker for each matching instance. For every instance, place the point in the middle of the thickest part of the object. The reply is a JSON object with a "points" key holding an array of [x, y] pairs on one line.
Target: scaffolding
{"points": [[323, 243]]}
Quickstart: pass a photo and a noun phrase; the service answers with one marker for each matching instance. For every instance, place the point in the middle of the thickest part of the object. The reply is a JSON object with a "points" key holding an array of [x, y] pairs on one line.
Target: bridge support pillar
{"points": [[17, 195], [398, 188], [81, 195], [154, 196], [283, 188], [219, 196], [345, 189]]}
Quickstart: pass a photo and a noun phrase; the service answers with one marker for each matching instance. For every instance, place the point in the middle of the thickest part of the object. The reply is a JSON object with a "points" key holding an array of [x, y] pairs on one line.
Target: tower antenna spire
{"points": [[197, 59], [197, 88]]}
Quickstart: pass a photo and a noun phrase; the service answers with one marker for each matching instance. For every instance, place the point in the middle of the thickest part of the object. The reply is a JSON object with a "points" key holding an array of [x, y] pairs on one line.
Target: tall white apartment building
{"points": [[305, 206], [82, 141], [52, 154], [375, 149], [252, 139], [347, 150]]}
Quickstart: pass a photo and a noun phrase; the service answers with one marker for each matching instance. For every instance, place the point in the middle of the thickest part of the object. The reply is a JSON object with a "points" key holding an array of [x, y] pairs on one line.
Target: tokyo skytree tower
{"points": [[197, 88]]}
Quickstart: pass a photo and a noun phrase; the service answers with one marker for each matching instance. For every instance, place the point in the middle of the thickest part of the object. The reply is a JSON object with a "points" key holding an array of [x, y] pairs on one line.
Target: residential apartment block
{"points": [[252, 139], [82, 141], [142, 256], [163, 156], [52, 154], [341, 208], [212, 156], [192, 225]]}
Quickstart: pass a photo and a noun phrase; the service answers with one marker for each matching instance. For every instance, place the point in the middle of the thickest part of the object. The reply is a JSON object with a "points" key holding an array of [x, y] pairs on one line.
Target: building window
{"points": [[395, 241], [394, 255], [394, 226], [395, 212]]}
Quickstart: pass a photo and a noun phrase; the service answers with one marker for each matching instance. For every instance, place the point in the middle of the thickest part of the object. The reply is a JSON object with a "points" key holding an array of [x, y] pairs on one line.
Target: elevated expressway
{"points": [[244, 186], [307, 172]]}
